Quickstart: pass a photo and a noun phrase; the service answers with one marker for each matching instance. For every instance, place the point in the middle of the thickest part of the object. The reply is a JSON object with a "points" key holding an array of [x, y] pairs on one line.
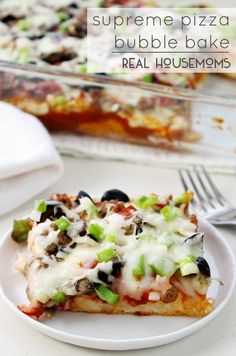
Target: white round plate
{"points": [[122, 332]]}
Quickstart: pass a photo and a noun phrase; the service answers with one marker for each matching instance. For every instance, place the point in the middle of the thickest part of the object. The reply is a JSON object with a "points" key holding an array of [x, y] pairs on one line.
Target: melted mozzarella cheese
{"points": [[44, 283], [160, 240]]}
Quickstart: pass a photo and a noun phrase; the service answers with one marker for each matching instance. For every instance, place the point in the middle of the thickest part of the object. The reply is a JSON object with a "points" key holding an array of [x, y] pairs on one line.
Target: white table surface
{"points": [[217, 338]]}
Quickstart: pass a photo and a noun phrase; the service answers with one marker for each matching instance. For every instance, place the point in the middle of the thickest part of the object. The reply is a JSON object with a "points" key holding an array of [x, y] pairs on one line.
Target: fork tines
{"points": [[207, 195]]}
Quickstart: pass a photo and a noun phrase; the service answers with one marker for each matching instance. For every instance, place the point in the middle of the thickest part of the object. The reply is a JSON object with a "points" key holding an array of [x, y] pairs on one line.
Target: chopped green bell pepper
{"points": [[41, 206], [106, 255], [185, 197], [139, 271], [164, 267], [111, 238], [106, 294], [97, 231], [20, 230], [59, 297], [170, 212], [146, 202], [63, 224]]}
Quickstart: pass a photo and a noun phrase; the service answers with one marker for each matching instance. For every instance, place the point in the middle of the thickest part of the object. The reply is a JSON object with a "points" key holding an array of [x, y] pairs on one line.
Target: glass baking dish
{"points": [[173, 118]]}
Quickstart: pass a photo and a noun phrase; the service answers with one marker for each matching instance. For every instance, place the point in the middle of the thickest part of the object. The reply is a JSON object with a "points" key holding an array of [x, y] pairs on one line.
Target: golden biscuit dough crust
{"points": [[181, 306]]}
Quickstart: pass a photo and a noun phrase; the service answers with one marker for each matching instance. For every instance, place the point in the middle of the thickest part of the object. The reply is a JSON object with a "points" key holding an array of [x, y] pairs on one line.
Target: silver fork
{"points": [[208, 202]]}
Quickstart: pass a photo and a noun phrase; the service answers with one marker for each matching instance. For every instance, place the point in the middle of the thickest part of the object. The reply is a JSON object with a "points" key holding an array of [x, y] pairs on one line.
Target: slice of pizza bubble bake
{"points": [[115, 255]]}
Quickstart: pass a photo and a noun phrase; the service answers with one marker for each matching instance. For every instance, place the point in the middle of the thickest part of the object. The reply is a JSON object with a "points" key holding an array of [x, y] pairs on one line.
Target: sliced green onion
{"points": [[60, 100], [170, 212], [101, 3], [81, 69], [59, 297], [146, 202], [188, 265], [111, 238], [106, 255], [97, 231], [63, 224], [94, 209], [20, 230], [188, 259], [23, 25], [167, 239], [185, 197], [23, 56], [189, 268], [139, 271], [62, 15], [130, 106], [164, 267], [157, 268], [64, 27], [106, 294], [148, 78], [41, 206], [144, 237]]}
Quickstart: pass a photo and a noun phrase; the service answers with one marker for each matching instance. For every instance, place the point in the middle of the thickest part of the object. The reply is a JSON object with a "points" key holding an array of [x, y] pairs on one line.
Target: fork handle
{"points": [[223, 222]]}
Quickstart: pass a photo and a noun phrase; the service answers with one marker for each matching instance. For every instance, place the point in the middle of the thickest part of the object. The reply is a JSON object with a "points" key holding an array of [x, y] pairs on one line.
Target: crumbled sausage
{"points": [[129, 230], [52, 249], [58, 57], [102, 210], [63, 239], [170, 295]]}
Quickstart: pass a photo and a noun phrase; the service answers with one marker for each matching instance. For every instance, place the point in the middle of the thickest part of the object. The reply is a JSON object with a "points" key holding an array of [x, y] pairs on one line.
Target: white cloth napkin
{"points": [[29, 163], [214, 158]]}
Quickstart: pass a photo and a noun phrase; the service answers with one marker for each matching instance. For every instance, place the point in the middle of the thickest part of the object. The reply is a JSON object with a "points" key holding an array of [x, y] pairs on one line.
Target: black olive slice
{"points": [[74, 5], [101, 73], [203, 266], [91, 237], [88, 88], [194, 239], [82, 194], [53, 210], [37, 36], [103, 277], [115, 194], [116, 267], [139, 230]]}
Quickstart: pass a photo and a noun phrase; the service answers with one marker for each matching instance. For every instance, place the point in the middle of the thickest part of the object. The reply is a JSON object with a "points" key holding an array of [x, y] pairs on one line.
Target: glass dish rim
{"points": [[174, 92]]}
